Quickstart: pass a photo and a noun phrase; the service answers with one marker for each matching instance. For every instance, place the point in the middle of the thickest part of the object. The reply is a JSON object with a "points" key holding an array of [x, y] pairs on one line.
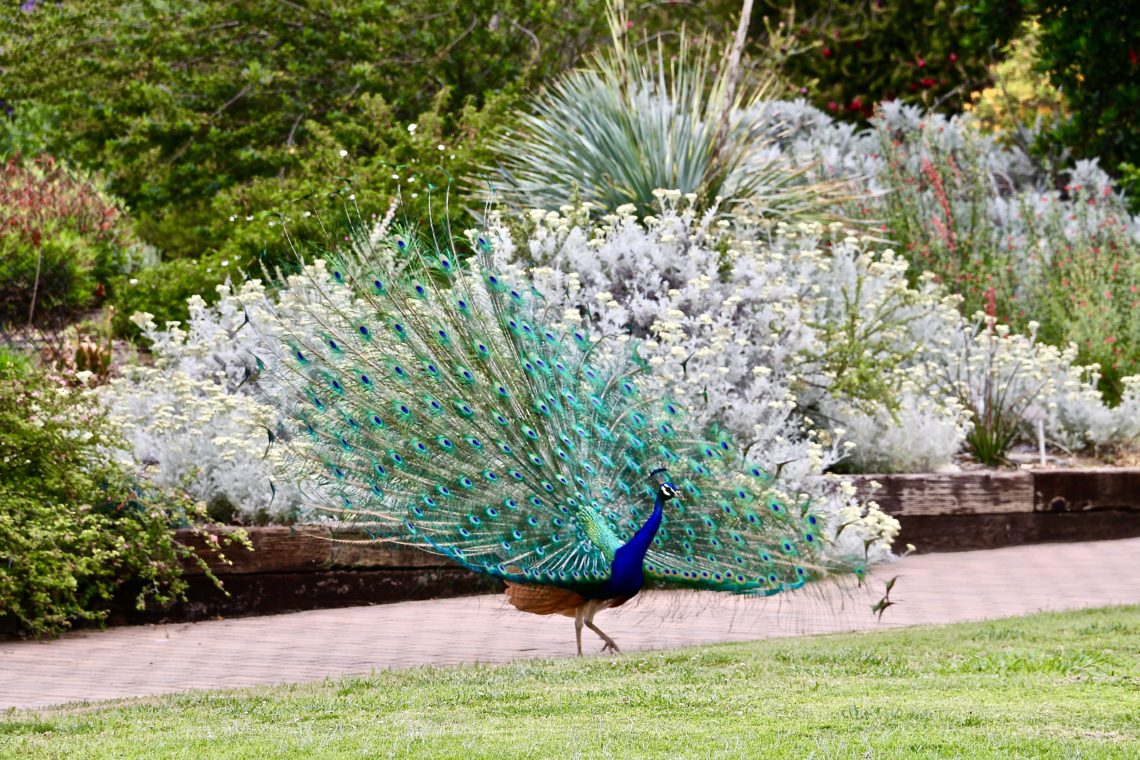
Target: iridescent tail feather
{"points": [[437, 399]]}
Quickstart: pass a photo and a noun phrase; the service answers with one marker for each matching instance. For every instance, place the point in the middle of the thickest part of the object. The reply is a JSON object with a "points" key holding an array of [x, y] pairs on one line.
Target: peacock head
{"points": [[660, 480]]}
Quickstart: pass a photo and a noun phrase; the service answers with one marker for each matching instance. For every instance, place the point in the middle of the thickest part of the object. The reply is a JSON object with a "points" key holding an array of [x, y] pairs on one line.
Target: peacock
{"points": [[439, 399]]}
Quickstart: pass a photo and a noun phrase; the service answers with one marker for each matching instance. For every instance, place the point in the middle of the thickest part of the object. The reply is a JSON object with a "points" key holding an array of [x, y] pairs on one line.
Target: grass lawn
{"points": [[1050, 685]]}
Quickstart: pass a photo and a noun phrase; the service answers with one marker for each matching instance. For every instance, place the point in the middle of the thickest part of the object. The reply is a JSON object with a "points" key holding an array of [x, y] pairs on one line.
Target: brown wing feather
{"points": [[543, 600]]}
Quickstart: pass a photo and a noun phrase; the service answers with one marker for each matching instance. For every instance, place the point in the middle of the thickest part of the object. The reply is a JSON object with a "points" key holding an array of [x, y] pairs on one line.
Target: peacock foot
{"points": [[610, 645]]}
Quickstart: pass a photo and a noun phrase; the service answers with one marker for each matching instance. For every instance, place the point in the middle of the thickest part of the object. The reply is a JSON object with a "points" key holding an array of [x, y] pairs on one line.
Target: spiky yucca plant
{"points": [[639, 119]]}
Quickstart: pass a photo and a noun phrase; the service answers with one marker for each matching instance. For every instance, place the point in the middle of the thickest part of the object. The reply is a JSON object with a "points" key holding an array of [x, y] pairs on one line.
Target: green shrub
{"points": [[852, 54], [368, 164], [73, 529], [379, 157], [15, 361], [181, 102], [62, 240], [1130, 185], [162, 290], [1090, 50]]}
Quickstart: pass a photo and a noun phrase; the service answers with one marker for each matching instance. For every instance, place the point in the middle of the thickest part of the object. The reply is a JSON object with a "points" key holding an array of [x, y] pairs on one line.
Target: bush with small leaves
{"points": [[77, 530]]}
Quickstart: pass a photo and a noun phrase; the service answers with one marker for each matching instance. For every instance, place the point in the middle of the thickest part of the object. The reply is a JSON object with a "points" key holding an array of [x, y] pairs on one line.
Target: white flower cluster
{"points": [[196, 419], [1076, 417], [195, 435], [922, 434], [221, 338]]}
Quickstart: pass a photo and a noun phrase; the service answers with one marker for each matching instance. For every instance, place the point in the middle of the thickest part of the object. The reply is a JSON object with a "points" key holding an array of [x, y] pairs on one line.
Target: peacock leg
{"points": [[579, 614], [609, 643]]}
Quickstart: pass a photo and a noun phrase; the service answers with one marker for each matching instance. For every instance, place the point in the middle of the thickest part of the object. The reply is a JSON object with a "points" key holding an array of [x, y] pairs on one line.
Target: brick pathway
{"points": [[933, 588]]}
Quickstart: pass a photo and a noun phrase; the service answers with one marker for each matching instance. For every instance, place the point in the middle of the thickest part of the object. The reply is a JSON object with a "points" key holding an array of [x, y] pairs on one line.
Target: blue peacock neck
{"points": [[627, 576]]}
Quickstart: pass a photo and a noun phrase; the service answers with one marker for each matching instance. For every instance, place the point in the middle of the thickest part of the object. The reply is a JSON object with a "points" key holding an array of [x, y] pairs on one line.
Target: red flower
{"points": [[991, 302], [953, 57], [831, 105], [927, 82], [1132, 56], [920, 62], [827, 52]]}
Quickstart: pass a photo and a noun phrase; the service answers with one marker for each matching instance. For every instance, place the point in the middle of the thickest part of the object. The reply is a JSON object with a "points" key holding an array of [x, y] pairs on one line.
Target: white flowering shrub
{"points": [[223, 338], [786, 335], [1076, 417], [1007, 383], [195, 435], [1126, 423], [922, 434], [197, 419], [997, 376], [754, 324], [202, 417]]}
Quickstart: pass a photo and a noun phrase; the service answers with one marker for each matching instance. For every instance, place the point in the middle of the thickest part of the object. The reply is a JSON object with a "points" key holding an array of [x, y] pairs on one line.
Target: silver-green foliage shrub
{"points": [[635, 120]]}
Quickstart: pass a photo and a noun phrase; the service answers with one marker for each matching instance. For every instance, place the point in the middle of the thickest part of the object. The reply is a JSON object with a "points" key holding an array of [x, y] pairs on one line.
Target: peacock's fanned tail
{"points": [[438, 399]]}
